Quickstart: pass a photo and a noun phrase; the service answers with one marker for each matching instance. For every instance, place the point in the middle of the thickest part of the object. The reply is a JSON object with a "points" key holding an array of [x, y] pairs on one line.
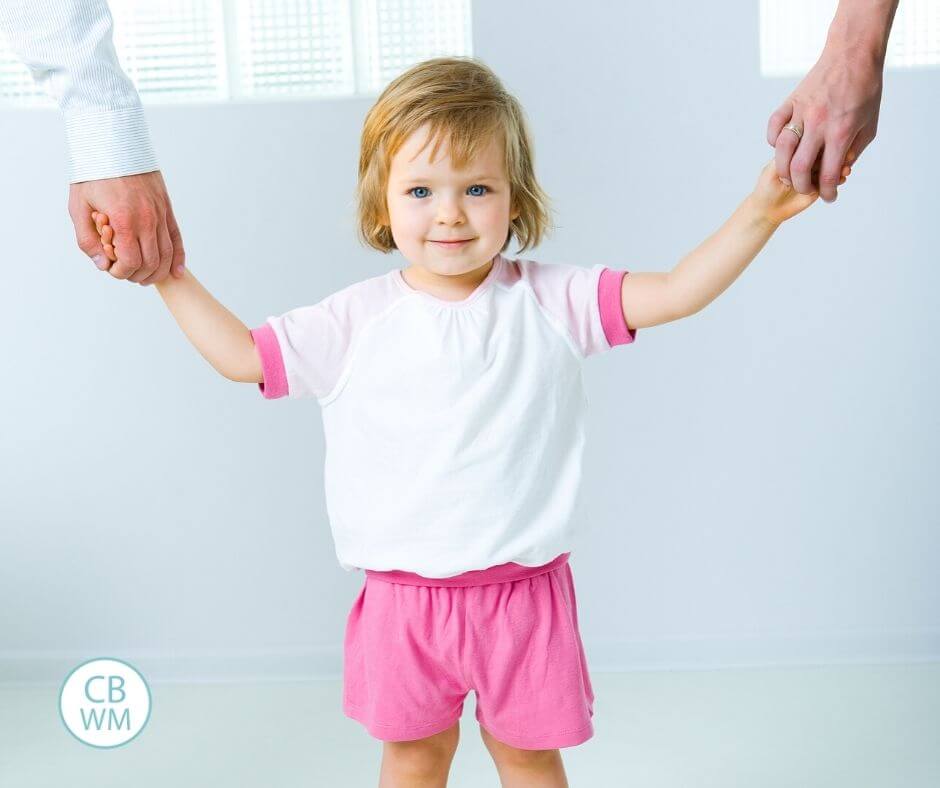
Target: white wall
{"points": [[759, 475]]}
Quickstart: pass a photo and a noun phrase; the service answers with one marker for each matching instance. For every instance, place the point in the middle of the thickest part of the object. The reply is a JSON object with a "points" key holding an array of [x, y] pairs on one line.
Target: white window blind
{"points": [[396, 34], [16, 83], [295, 47], [171, 48], [215, 50], [793, 33]]}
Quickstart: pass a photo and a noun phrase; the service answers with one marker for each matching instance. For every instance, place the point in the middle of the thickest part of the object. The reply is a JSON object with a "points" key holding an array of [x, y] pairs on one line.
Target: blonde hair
{"points": [[466, 104]]}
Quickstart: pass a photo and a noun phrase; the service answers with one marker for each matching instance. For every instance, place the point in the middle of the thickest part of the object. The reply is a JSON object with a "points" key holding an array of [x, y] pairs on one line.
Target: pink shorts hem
{"points": [[392, 732], [547, 742]]}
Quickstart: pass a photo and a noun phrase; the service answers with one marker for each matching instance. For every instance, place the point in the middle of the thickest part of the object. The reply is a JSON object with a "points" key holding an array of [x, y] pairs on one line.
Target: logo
{"points": [[104, 702]]}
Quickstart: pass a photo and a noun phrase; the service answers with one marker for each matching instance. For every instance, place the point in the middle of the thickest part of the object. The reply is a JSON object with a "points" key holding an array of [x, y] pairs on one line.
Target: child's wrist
{"points": [[171, 280], [167, 284], [758, 214]]}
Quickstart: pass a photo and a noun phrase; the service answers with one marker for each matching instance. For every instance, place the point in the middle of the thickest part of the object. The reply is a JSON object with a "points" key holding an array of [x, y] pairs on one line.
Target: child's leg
{"points": [[525, 768], [423, 763]]}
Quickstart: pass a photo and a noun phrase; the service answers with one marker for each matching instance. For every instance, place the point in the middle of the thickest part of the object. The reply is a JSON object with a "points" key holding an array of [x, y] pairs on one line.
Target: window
{"points": [[215, 50], [793, 33]]}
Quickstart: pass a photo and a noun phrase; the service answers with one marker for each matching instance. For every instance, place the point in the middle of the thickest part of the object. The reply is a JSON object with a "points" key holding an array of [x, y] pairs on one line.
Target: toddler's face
{"points": [[430, 202]]}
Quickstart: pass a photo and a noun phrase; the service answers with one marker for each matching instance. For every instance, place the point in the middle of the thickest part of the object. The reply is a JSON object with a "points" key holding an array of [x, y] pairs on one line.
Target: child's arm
{"points": [[652, 298], [222, 339]]}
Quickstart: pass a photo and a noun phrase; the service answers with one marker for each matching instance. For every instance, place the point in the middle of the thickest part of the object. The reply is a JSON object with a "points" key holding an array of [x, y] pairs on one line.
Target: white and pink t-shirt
{"points": [[454, 429]]}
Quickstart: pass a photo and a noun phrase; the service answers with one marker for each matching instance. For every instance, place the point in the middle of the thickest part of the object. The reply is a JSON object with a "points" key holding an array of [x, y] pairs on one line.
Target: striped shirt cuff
{"points": [[108, 144]]}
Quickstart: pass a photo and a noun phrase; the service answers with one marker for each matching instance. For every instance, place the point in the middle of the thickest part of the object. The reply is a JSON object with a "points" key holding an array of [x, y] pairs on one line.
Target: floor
{"points": [[855, 726]]}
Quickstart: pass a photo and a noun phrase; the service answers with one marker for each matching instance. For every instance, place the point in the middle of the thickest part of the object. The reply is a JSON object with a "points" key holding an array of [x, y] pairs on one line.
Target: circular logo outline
{"points": [[105, 746]]}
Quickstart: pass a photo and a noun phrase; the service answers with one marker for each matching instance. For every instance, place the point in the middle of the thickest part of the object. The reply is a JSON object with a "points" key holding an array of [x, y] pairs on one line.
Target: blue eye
{"points": [[425, 188]]}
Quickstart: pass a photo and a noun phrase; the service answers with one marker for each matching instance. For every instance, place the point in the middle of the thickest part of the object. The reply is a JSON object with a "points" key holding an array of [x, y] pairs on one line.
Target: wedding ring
{"points": [[798, 130]]}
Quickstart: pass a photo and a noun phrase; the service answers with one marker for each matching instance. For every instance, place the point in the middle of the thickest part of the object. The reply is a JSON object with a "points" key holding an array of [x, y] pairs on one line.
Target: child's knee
{"points": [[424, 756], [504, 754], [527, 759]]}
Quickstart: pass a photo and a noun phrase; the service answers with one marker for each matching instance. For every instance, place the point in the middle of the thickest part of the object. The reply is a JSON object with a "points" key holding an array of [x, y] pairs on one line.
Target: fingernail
{"points": [[784, 180], [98, 260]]}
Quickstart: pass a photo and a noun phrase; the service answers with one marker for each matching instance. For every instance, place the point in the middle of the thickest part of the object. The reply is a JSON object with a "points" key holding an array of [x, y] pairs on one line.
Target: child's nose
{"points": [[449, 216], [449, 211]]}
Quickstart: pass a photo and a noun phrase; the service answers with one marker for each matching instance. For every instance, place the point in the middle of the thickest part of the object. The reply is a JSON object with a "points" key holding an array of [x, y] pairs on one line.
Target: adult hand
{"points": [[147, 240], [837, 106]]}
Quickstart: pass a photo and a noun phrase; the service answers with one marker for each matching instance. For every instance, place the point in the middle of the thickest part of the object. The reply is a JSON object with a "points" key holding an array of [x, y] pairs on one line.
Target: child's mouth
{"points": [[452, 244]]}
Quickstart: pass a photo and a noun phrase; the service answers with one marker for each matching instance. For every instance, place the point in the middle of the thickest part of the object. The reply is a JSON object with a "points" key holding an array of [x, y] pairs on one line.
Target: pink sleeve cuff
{"points": [[610, 301], [274, 384]]}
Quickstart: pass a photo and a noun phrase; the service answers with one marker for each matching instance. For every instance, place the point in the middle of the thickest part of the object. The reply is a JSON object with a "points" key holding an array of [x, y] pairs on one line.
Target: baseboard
{"points": [[311, 663]]}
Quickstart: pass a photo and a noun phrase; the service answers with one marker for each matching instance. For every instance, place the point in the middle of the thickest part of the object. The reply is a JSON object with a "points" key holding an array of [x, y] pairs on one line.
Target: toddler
{"points": [[453, 411]]}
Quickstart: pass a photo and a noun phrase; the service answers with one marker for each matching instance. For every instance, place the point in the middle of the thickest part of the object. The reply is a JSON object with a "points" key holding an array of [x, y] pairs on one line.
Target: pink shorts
{"points": [[415, 646]]}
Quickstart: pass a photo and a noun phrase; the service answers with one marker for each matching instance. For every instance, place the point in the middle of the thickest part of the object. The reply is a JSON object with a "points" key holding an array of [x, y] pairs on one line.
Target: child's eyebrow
{"points": [[474, 178]]}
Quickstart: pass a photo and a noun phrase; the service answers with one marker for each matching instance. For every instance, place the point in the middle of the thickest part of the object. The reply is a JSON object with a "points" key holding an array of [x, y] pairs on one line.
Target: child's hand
{"points": [[106, 232], [778, 202]]}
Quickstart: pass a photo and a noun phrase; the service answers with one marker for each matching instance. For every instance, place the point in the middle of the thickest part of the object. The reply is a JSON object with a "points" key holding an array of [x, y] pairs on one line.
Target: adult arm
{"points": [[837, 102], [67, 46]]}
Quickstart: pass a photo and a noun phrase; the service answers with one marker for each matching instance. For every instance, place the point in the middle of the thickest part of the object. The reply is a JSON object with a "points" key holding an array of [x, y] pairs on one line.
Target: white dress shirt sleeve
{"points": [[68, 48]]}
